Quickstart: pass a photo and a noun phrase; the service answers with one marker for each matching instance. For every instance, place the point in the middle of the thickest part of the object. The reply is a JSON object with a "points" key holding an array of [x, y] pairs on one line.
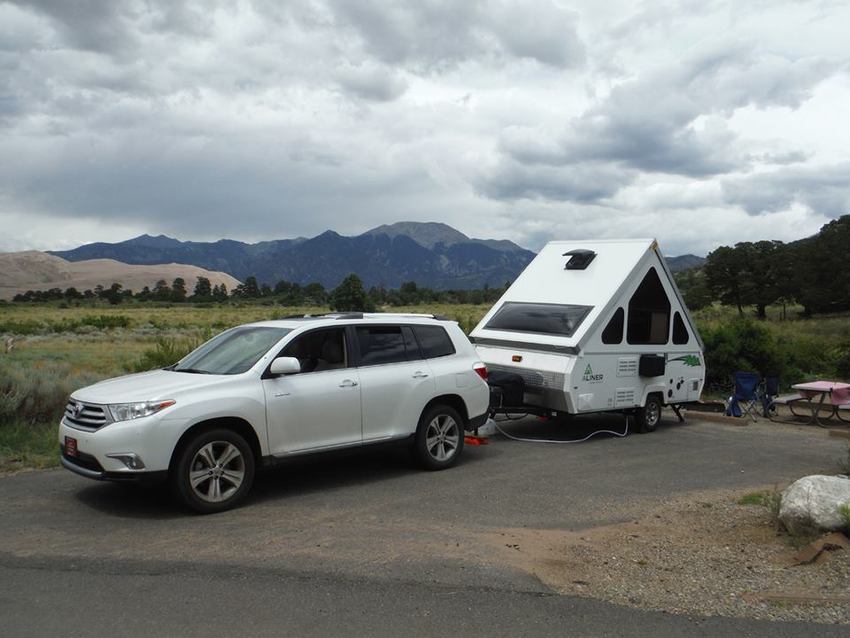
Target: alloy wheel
{"points": [[217, 471], [442, 437]]}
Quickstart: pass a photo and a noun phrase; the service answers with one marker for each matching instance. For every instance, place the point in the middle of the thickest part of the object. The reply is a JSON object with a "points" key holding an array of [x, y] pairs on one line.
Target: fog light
{"points": [[131, 460]]}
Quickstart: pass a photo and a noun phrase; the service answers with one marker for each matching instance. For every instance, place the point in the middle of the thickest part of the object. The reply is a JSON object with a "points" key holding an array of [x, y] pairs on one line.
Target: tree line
{"points": [[349, 295], [813, 272]]}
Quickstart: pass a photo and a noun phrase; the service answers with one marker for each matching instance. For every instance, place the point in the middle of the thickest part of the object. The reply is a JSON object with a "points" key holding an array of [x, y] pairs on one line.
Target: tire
{"points": [[648, 417], [439, 438], [217, 486]]}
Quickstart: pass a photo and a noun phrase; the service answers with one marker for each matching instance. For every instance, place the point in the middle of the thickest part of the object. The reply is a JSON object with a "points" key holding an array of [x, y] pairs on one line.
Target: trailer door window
{"points": [[649, 312], [613, 332], [539, 318]]}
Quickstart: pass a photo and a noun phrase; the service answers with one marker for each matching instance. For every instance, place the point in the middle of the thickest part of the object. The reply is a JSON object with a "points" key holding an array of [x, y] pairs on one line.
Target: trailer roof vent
{"points": [[580, 259]]}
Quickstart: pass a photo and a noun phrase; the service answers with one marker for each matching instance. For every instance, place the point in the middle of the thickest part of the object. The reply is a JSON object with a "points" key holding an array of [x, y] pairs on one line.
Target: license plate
{"points": [[70, 446]]}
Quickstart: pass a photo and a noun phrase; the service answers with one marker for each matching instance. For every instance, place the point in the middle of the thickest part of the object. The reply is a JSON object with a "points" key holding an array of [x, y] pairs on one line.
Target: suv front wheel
{"points": [[439, 437], [214, 471]]}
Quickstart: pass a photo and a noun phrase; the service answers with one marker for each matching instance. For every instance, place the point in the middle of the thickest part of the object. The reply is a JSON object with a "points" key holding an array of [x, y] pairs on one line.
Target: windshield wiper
{"points": [[191, 370]]}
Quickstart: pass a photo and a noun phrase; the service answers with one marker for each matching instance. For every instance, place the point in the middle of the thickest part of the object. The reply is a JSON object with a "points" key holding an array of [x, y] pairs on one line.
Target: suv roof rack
{"points": [[370, 315]]}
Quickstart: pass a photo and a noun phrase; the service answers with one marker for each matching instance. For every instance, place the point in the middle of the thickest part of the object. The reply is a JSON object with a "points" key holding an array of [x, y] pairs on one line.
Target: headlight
{"points": [[129, 411]]}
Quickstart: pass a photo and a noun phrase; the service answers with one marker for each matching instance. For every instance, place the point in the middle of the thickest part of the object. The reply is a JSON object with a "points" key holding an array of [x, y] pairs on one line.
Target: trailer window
{"points": [[680, 332], [539, 318], [649, 312], [613, 332]]}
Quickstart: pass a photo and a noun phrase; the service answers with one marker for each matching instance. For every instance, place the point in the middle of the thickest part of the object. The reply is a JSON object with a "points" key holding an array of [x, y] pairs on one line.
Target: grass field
{"points": [[57, 350]]}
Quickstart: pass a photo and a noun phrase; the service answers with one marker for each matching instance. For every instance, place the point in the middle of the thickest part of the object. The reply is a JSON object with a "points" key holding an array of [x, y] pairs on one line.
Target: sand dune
{"points": [[33, 270]]}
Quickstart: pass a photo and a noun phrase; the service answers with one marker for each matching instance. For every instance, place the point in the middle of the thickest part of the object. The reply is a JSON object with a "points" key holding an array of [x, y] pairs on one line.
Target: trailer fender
{"points": [[655, 388]]}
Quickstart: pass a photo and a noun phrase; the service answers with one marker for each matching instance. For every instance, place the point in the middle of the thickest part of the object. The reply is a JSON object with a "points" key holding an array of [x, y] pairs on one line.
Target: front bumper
{"points": [[86, 467], [151, 439]]}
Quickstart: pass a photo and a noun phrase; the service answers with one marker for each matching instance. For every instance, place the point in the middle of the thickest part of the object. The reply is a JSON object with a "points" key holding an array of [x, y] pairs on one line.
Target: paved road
{"points": [[363, 544]]}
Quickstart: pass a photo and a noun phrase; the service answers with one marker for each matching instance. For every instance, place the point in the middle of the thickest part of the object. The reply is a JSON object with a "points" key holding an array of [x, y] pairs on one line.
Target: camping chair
{"points": [[745, 399]]}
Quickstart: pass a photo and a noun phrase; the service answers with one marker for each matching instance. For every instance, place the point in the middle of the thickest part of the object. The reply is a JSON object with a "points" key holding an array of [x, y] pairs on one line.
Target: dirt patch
{"points": [[705, 555]]}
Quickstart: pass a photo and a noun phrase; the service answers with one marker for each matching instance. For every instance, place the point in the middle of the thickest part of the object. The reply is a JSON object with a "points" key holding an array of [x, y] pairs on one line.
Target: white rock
{"points": [[813, 501]]}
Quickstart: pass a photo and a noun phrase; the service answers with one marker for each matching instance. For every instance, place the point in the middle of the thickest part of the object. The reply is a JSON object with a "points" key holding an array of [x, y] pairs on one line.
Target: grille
{"points": [[86, 416], [534, 378]]}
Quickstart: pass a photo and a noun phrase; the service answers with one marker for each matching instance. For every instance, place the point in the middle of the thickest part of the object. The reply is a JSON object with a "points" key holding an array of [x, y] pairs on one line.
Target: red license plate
{"points": [[70, 446]]}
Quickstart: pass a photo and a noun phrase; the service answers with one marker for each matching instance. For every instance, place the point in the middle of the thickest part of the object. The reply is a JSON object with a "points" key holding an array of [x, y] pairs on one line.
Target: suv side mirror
{"points": [[285, 365]]}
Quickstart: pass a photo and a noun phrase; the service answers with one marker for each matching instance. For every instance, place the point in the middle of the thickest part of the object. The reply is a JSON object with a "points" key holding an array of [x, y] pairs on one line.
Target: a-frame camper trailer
{"points": [[594, 326]]}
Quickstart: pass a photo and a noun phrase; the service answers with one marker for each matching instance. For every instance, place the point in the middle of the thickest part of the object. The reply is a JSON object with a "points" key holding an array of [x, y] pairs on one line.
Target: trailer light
{"points": [[516, 358], [481, 370]]}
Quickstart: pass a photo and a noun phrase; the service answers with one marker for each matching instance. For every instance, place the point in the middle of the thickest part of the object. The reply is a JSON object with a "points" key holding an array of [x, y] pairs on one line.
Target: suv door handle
{"points": [[348, 383], [419, 374]]}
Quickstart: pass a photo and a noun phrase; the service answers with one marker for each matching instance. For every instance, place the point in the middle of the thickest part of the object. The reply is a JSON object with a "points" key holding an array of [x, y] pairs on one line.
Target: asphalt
{"points": [[365, 544]]}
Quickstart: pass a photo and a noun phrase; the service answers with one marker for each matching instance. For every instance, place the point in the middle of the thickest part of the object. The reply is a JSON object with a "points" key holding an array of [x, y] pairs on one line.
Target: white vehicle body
{"points": [[279, 415], [657, 350]]}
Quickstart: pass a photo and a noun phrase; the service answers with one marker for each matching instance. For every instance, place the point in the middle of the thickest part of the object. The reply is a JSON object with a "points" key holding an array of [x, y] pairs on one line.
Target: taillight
{"points": [[481, 369]]}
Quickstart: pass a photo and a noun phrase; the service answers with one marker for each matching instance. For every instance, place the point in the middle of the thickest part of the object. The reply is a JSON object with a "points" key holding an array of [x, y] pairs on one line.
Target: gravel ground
{"points": [[704, 554]]}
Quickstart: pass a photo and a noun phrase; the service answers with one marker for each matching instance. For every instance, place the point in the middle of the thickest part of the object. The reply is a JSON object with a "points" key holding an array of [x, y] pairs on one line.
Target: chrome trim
{"points": [[88, 417]]}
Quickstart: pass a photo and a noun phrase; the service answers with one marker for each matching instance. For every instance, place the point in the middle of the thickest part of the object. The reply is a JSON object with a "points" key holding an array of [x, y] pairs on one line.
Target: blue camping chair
{"points": [[746, 399]]}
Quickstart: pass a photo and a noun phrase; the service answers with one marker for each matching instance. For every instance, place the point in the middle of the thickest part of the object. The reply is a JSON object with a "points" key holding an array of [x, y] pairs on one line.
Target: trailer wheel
{"points": [[649, 415]]}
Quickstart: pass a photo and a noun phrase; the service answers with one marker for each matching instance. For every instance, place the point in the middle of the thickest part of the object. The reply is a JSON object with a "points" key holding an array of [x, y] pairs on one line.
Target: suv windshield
{"points": [[539, 318], [232, 352]]}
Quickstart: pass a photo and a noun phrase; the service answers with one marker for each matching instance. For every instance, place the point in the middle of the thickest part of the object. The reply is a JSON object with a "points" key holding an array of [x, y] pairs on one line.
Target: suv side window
{"points": [[434, 341], [382, 344], [319, 350]]}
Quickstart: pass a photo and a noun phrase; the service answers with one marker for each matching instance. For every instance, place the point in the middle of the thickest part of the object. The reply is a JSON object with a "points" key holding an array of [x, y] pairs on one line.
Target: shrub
{"points": [[740, 344], [37, 395]]}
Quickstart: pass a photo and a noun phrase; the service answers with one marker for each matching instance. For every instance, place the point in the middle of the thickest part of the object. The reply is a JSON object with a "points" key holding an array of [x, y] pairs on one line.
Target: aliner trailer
{"points": [[595, 326]]}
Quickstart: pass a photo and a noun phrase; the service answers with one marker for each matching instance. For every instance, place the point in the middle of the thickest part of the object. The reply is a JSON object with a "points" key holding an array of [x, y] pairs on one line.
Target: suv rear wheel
{"points": [[439, 437], [214, 471]]}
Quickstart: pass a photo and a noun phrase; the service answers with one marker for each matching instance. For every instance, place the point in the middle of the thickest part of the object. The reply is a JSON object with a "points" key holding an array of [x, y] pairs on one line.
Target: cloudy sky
{"points": [[697, 122]]}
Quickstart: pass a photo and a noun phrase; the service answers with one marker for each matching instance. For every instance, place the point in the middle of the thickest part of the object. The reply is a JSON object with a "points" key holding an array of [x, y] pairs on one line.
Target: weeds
{"points": [[769, 499], [844, 511]]}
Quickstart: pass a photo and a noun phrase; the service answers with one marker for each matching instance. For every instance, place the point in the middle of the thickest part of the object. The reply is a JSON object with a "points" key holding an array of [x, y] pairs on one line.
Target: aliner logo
{"points": [[590, 377]]}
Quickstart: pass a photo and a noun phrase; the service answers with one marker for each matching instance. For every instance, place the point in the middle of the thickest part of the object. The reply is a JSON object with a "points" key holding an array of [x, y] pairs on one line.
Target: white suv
{"points": [[260, 393]]}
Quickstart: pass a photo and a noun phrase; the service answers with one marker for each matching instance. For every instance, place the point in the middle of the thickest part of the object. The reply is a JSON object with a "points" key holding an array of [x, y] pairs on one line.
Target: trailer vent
{"points": [[580, 258], [624, 397], [627, 367]]}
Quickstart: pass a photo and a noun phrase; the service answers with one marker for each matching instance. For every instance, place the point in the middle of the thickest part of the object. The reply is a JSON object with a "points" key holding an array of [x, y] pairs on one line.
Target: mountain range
{"points": [[431, 254]]}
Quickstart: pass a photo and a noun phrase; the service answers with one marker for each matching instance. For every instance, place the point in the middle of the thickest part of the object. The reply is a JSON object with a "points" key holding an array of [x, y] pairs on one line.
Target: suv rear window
{"points": [[382, 344], [434, 341], [539, 318]]}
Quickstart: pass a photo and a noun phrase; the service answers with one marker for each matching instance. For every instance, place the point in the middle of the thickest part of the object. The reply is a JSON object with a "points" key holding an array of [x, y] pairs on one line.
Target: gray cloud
{"points": [[524, 119], [583, 183], [669, 121], [825, 189], [380, 84], [435, 34]]}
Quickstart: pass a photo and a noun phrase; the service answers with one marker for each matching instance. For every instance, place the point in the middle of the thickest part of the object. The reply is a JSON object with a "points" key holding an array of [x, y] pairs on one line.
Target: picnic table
{"points": [[817, 395]]}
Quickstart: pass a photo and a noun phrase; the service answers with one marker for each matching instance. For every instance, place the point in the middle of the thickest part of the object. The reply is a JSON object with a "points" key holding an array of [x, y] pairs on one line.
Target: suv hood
{"points": [[146, 386]]}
